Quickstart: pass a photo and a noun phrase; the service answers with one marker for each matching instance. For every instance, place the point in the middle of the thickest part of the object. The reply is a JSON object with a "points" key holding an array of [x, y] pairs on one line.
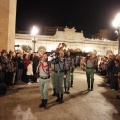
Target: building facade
{"points": [[103, 34], [51, 30], [71, 38]]}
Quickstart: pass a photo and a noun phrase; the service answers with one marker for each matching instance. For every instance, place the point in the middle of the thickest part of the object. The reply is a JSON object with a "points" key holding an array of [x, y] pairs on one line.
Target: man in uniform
{"points": [[69, 73], [44, 80], [41, 51], [91, 62], [59, 69]]}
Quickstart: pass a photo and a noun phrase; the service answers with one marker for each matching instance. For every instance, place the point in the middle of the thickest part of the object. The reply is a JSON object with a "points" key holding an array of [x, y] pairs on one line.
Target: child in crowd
{"points": [[30, 72]]}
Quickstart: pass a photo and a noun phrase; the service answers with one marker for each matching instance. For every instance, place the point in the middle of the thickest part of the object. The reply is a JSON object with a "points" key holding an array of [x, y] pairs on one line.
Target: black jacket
{"points": [[110, 65]]}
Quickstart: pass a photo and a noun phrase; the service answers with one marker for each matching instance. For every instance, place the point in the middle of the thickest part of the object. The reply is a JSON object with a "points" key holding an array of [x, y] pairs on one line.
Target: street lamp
{"points": [[34, 32], [116, 24]]}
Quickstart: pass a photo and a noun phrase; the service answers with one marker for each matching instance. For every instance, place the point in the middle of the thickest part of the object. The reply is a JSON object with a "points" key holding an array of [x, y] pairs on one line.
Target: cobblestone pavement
{"points": [[21, 103]]}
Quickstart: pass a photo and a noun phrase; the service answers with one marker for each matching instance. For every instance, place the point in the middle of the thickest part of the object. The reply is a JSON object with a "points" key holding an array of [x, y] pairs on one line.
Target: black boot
{"points": [[91, 87], [68, 91], [71, 81], [88, 87], [58, 98], [42, 104], [45, 103], [61, 98], [54, 92], [65, 89]]}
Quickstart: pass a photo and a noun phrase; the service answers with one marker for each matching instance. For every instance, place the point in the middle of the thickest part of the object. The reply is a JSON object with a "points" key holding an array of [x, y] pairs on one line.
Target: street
{"points": [[22, 101]]}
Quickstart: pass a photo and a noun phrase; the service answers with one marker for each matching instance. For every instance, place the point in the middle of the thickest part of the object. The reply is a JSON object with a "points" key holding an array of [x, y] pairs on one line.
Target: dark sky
{"points": [[87, 15]]}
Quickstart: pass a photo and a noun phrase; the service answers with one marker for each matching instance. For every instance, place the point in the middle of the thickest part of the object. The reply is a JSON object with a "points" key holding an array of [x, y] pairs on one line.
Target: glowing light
{"points": [[116, 24], [116, 21], [34, 30], [116, 32]]}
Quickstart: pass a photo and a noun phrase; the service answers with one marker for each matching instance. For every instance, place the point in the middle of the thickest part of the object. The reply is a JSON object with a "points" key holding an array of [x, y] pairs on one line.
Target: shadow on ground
{"points": [[110, 96]]}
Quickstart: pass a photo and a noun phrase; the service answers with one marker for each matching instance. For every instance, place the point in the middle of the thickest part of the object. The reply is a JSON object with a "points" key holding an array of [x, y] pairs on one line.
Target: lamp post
{"points": [[34, 32], [116, 24]]}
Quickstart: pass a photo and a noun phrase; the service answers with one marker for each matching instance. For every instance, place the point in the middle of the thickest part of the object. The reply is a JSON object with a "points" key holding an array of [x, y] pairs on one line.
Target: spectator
{"points": [[30, 72]]}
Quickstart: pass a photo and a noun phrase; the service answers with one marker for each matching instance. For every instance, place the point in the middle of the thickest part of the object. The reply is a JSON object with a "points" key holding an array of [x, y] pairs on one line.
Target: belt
{"points": [[89, 67], [58, 71], [45, 77]]}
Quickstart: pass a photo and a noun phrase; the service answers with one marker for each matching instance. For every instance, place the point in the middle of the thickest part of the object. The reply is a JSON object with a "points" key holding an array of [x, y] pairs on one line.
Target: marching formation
{"points": [[57, 68], [61, 71]]}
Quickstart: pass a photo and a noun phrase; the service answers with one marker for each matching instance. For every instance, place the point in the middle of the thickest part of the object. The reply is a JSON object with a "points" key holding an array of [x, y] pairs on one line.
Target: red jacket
{"points": [[26, 63]]}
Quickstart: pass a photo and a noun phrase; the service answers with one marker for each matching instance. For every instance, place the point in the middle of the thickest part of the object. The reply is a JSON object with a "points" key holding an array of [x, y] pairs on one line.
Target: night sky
{"points": [[87, 15]]}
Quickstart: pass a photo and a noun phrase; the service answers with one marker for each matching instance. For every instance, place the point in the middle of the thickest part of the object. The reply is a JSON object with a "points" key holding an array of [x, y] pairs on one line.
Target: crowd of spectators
{"points": [[14, 67], [17, 67], [110, 68]]}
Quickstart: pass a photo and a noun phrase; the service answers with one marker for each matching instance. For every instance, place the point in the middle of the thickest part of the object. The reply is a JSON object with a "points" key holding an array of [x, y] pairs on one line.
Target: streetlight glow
{"points": [[116, 21], [34, 30], [116, 24]]}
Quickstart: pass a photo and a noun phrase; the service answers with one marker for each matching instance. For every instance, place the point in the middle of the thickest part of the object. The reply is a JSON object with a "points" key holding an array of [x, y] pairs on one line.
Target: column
{"points": [[7, 24]]}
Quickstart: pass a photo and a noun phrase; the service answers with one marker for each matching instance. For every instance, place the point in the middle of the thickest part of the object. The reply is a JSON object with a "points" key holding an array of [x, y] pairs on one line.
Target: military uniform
{"points": [[59, 68], [44, 82], [67, 80], [90, 67]]}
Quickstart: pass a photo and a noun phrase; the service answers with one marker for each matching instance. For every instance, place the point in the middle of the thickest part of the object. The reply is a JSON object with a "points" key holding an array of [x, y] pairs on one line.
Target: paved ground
{"points": [[21, 103]]}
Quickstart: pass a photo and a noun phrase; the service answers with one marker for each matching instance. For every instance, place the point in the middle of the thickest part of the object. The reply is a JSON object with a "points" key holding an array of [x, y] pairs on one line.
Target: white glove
{"points": [[50, 58], [71, 73], [54, 57], [38, 80], [64, 76]]}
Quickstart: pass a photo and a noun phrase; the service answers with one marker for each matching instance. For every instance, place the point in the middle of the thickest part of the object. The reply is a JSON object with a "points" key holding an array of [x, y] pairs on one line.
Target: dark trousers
{"points": [[114, 83], [90, 76], [35, 75], [110, 75], [19, 75], [24, 76], [9, 78], [3, 76], [29, 78]]}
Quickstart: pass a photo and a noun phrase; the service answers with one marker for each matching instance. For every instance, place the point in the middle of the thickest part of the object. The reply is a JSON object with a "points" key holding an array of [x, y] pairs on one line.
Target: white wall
{"points": [[71, 38]]}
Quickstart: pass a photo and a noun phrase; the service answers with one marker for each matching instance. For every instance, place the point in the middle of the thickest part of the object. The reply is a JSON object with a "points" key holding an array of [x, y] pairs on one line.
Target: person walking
{"points": [[59, 69], [44, 80], [91, 62], [68, 80]]}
